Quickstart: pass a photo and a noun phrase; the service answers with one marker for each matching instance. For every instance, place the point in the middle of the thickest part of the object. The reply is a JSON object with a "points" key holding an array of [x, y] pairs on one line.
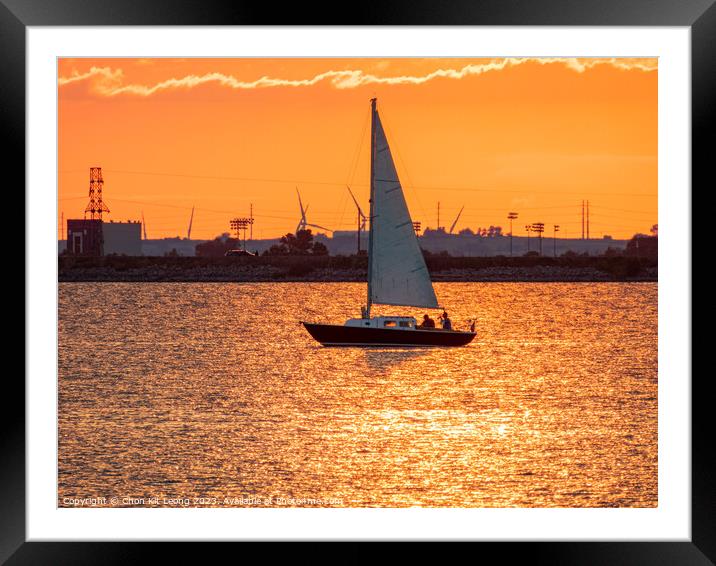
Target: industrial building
{"points": [[94, 237], [84, 237], [122, 238]]}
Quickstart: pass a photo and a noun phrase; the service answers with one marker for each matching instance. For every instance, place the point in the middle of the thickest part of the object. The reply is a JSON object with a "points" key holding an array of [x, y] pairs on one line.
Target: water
{"points": [[213, 395]]}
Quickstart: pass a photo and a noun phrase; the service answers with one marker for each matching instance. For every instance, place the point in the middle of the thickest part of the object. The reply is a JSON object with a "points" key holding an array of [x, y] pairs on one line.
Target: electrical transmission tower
{"points": [[95, 206]]}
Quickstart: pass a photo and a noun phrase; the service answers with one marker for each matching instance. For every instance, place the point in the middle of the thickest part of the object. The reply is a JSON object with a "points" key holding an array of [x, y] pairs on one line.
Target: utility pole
{"points": [[511, 216], [251, 224], [582, 220], [438, 215], [62, 226], [539, 228], [416, 227], [587, 220], [554, 238]]}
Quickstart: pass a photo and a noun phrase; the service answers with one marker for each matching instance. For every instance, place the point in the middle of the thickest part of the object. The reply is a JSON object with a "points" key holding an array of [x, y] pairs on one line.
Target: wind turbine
{"points": [[303, 223], [191, 219], [458, 218], [362, 218]]}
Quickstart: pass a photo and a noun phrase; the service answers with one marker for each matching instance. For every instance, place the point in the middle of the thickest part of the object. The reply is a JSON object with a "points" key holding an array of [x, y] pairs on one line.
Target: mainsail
{"points": [[397, 271]]}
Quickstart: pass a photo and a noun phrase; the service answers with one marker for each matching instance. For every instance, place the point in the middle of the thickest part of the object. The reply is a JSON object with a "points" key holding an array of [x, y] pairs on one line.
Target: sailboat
{"points": [[397, 274]]}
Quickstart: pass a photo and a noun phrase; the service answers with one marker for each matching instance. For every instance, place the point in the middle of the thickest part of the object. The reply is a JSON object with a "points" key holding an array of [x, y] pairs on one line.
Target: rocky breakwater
{"points": [[341, 268]]}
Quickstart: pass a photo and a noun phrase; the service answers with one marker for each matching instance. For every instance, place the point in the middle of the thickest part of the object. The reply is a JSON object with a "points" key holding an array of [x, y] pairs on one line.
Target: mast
{"points": [[370, 200]]}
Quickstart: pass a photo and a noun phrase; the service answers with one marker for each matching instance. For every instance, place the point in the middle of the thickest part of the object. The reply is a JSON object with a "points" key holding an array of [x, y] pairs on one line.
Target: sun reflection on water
{"points": [[215, 390]]}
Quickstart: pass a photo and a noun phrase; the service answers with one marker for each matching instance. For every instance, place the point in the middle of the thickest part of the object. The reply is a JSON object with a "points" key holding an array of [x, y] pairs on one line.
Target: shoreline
{"points": [[344, 269], [275, 275], [475, 280]]}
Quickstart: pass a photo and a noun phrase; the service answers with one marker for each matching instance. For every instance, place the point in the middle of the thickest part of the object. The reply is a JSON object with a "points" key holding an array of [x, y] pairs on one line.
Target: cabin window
{"points": [[405, 323], [389, 323]]}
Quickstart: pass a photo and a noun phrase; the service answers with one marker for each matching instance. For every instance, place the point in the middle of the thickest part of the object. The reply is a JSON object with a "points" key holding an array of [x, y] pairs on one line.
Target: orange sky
{"points": [[536, 136]]}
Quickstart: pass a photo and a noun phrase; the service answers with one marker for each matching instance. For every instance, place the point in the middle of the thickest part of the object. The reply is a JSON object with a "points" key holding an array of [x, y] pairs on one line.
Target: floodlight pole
{"points": [[511, 216]]}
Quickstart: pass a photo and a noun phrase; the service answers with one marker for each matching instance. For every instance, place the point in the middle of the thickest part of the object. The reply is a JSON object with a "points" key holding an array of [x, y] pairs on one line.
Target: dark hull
{"points": [[335, 335]]}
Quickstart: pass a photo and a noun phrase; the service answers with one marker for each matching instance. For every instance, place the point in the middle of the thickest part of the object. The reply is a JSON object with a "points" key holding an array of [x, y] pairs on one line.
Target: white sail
{"points": [[398, 274]]}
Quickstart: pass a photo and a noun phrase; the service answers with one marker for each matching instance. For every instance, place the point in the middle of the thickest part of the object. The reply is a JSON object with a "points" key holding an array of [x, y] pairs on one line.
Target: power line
{"points": [[329, 215], [621, 210], [337, 183]]}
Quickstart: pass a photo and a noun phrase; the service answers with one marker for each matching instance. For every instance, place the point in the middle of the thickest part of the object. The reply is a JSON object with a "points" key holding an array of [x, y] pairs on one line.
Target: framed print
{"points": [[394, 278]]}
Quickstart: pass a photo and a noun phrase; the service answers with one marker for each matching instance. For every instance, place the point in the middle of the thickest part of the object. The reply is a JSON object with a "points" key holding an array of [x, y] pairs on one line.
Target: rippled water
{"points": [[183, 391]]}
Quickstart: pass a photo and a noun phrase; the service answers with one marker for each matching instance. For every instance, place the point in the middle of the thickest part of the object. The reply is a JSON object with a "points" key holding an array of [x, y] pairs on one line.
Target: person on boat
{"points": [[427, 322], [447, 323]]}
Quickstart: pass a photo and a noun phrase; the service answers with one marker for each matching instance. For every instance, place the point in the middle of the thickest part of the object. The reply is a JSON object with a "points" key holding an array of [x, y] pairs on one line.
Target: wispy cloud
{"points": [[109, 82]]}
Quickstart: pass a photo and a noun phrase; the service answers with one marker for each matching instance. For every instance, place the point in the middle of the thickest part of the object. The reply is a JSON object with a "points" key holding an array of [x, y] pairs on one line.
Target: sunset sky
{"points": [[535, 136]]}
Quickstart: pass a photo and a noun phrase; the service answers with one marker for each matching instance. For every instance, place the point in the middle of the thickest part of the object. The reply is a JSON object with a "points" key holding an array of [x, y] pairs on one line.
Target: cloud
{"points": [[108, 82], [105, 75]]}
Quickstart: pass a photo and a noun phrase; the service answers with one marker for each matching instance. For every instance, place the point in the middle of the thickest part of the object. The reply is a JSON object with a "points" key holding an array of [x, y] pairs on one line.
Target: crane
{"points": [[456, 219], [191, 219]]}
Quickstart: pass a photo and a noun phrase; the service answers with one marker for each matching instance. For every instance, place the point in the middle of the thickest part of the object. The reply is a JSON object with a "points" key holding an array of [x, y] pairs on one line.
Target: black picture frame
{"points": [[698, 15]]}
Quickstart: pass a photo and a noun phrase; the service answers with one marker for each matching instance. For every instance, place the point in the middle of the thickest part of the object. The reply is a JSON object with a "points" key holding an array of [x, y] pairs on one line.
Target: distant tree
{"points": [[319, 249], [216, 247], [654, 230], [466, 232], [642, 245], [277, 249], [300, 243]]}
